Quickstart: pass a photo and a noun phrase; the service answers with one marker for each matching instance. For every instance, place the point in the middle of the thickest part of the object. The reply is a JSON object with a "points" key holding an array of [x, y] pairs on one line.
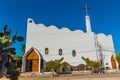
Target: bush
{"points": [[13, 75]]}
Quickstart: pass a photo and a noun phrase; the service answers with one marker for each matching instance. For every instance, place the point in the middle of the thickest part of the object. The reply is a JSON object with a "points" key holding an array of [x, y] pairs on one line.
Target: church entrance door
{"points": [[32, 65], [113, 62], [32, 62], [35, 65]]}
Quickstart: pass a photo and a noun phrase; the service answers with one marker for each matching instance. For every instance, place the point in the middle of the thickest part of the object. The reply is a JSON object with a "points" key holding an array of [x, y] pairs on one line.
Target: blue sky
{"points": [[104, 15]]}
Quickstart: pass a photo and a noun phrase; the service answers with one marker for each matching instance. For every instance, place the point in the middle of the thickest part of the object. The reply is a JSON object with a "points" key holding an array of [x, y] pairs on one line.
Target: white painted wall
{"points": [[41, 36]]}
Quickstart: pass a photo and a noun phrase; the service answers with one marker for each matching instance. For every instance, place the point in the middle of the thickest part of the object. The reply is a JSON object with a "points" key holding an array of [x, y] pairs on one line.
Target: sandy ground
{"points": [[80, 77]]}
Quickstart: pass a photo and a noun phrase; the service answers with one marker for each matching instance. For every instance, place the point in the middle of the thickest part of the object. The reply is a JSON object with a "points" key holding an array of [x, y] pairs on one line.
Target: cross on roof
{"points": [[86, 8]]}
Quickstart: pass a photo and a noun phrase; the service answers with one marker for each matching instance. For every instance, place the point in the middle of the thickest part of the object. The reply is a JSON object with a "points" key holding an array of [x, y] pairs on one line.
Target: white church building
{"points": [[45, 43]]}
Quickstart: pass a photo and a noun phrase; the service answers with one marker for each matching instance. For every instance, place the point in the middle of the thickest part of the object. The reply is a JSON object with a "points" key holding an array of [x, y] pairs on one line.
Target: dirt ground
{"points": [[79, 77], [69, 77]]}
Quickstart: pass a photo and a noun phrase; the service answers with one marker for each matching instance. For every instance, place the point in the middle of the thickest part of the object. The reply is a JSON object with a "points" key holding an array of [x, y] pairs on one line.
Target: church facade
{"points": [[45, 43]]}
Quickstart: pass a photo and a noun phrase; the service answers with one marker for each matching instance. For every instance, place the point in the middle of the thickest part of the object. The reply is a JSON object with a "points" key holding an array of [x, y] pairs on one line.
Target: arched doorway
{"points": [[113, 62], [32, 62]]}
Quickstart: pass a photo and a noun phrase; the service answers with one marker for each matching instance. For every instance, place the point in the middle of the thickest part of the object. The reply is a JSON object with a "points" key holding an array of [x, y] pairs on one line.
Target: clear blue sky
{"points": [[104, 15]]}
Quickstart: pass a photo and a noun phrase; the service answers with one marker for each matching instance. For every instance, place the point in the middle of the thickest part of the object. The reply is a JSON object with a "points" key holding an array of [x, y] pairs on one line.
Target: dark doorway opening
{"points": [[29, 65]]}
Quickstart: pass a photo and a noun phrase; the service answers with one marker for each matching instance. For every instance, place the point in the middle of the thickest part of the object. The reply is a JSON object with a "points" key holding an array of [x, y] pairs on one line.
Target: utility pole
{"points": [[96, 45], [101, 55], [98, 50]]}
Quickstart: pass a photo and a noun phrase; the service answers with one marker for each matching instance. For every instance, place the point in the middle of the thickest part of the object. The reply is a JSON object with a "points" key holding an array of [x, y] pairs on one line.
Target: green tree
{"points": [[6, 40], [6, 49], [118, 59]]}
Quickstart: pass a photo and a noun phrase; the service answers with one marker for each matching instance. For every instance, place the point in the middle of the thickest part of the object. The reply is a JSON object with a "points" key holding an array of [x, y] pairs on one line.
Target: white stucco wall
{"points": [[41, 36]]}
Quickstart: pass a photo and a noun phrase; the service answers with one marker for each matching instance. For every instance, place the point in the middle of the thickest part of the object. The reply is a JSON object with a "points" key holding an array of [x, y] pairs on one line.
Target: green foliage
{"points": [[53, 64], [13, 75], [1, 34], [42, 70], [23, 49], [6, 40], [91, 63], [10, 50], [50, 64], [118, 58], [61, 68], [69, 68], [60, 59], [85, 59]]}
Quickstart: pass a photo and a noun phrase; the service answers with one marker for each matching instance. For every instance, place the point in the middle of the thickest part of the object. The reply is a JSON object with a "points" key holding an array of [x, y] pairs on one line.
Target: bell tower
{"points": [[87, 19]]}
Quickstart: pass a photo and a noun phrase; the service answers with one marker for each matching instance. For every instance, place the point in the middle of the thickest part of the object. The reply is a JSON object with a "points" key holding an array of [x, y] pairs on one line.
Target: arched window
{"points": [[46, 51], [60, 52], [73, 53]]}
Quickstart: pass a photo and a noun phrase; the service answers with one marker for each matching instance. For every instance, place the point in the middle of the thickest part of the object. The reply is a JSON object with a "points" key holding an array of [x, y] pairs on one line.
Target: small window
{"points": [[60, 52], [30, 21], [106, 63], [73, 53], [46, 51]]}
